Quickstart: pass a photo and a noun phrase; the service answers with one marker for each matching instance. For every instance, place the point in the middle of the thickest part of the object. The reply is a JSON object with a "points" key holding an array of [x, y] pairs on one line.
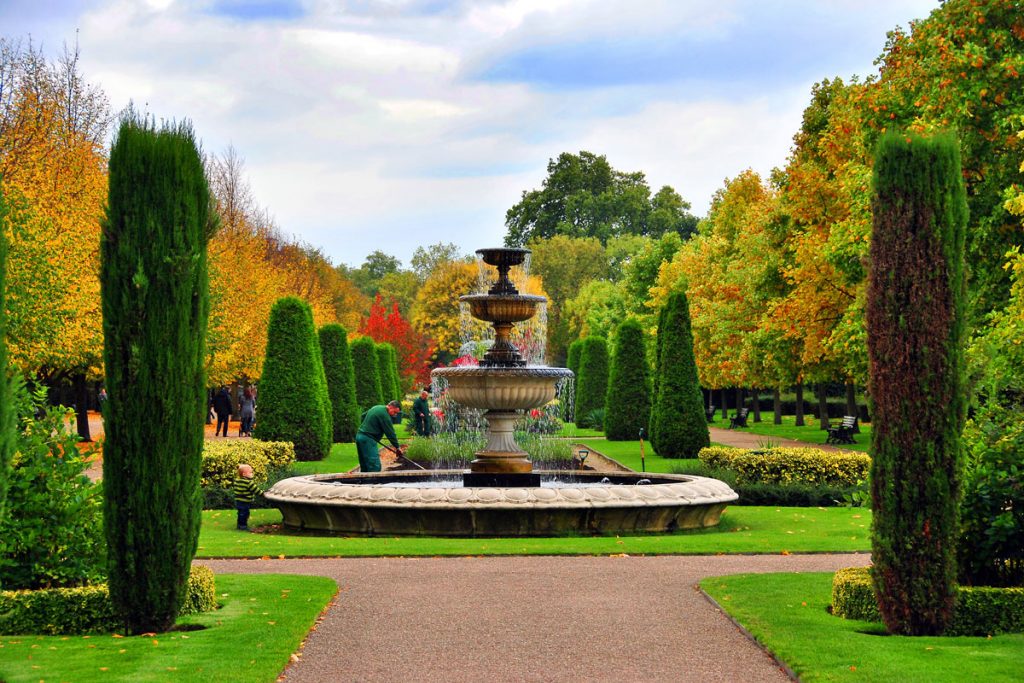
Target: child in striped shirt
{"points": [[245, 491]]}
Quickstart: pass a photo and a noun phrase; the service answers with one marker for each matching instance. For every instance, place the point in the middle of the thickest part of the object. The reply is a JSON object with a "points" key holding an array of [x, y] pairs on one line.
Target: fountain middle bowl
{"points": [[502, 388], [382, 504]]}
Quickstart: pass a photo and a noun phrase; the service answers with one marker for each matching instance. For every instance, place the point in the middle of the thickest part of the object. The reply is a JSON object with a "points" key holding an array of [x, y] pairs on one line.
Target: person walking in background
{"points": [[376, 425], [222, 407], [247, 411], [421, 413]]}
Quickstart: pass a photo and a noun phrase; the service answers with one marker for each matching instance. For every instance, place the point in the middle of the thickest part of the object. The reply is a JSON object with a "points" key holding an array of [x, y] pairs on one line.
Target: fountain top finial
{"points": [[503, 258]]}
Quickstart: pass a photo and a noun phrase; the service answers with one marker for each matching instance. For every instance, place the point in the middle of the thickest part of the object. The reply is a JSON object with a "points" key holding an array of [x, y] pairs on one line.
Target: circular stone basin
{"points": [[370, 504], [501, 388]]}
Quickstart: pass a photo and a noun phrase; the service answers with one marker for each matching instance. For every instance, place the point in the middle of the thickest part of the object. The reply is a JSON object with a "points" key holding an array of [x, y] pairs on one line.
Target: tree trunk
{"points": [[799, 404], [851, 405], [739, 399], [82, 406], [725, 403], [756, 395], [777, 404], [822, 406]]}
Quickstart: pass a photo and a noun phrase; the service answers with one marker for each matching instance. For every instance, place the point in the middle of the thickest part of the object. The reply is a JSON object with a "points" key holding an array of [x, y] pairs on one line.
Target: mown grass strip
{"points": [[263, 620], [746, 529], [786, 613]]}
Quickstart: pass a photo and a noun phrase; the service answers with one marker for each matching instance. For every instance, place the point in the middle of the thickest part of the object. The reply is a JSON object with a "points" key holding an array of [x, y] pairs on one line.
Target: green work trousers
{"points": [[369, 456]]}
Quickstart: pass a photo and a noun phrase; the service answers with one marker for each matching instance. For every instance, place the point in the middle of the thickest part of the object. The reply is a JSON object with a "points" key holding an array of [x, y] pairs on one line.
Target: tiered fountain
{"points": [[500, 495]]}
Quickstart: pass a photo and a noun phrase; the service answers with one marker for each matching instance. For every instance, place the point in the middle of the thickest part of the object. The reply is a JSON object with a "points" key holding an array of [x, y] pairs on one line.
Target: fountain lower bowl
{"points": [[502, 388], [370, 504]]}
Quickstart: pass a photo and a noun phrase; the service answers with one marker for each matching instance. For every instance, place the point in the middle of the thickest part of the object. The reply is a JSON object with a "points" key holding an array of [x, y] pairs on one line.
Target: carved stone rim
{"points": [[680, 491], [539, 372]]}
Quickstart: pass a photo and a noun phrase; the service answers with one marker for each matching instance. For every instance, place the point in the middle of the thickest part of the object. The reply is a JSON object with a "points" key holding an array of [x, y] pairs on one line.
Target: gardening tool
{"points": [[400, 454], [643, 464]]}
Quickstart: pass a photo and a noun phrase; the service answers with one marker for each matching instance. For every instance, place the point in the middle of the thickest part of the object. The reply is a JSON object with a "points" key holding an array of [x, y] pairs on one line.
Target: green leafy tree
{"points": [[679, 426], [341, 382], [628, 403], [153, 276], [294, 403], [364, 363], [915, 336], [368, 276], [592, 380], [583, 196], [6, 411]]}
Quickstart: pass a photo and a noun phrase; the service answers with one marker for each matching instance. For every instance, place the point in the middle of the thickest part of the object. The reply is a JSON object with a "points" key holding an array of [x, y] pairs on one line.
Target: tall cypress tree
{"points": [[628, 403], [341, 386], [294, 405], [915, 329], [153, 277], [364, 364], [385, 369], [680, 427], [592, 380], [572, 362], [656, 379], [6, 408]]}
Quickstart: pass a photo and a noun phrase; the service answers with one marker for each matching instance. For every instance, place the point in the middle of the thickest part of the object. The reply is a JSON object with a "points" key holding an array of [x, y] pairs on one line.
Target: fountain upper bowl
{"points": [[502, 388]]}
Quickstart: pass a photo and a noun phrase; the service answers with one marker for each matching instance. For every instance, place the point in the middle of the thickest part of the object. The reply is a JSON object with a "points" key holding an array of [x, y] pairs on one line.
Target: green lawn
{"points": [[342, 458], [746, 529], [263, 620], [628, 453], [571, 431], [810, 432], [786, 613]]}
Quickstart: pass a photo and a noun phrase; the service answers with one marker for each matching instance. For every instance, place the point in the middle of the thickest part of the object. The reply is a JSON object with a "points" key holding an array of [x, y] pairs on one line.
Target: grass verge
{"points": [[342, 458], [745, 529], [786, 613], [628, 453], [263, 620]]}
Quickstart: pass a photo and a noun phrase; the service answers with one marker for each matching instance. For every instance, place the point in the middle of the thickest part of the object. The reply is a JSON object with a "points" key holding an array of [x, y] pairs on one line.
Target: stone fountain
{"points": [[500, 495]]}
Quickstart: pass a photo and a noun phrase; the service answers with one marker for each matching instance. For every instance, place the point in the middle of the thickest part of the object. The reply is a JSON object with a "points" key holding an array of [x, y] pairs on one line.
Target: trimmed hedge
{"points": [[627, 407], [294, 405], [977, 610], [679, 426], [221, 459], [74, 611], [364, 364], [341, 382], [592, 380], [789, 465]]}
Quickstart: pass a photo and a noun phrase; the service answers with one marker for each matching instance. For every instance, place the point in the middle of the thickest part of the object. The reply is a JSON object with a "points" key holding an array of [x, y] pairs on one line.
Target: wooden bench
{"points": [[844, 431], [739, 419], [709, 413]]}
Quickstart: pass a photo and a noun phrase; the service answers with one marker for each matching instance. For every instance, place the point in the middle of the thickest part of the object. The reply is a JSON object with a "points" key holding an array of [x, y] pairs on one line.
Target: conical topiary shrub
{"points": [[656, 379], [572, 362], [341, 388], [388, 371], [153, 278], [915, 326], [294, 405], [592, 381], [364, 364], [680, 427], [628, 403]]}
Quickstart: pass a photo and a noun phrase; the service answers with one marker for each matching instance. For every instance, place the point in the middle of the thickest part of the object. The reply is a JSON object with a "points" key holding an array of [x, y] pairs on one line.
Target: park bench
{"points": [[709, 412], [739, 419], [844, 431]]}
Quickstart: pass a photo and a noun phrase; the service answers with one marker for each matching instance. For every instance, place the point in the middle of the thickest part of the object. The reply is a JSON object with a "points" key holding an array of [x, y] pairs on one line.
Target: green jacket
{"points": [[377, 424]]}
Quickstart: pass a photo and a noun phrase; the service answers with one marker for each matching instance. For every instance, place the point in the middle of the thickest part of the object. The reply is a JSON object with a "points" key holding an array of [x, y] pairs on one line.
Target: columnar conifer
{"points": [[153, 275], [364, 364], [572, 362], [387, 370], [294, 404], [680, 427], [656, 379], [592, 380], [915, 336], [628, 404], [341, 388]]}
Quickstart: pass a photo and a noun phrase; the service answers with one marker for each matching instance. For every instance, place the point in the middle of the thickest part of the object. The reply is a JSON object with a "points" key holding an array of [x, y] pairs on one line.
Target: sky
{"points": [[391, 124]]}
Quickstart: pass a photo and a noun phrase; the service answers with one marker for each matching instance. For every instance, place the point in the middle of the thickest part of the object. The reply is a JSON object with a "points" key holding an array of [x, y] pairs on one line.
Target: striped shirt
{"points": [[245, 490]]}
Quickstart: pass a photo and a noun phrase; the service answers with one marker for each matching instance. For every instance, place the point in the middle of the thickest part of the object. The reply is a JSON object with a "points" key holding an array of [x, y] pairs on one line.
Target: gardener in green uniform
{"points": [[421, 413], [376, 425]]}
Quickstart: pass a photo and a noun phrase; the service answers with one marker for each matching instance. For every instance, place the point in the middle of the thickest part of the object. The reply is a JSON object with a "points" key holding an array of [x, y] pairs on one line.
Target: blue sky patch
{"points": [[258, 10]]}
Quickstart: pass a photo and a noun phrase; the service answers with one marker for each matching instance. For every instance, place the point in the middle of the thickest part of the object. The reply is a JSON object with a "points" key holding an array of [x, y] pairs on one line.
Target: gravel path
{"points": [[531, 618]]}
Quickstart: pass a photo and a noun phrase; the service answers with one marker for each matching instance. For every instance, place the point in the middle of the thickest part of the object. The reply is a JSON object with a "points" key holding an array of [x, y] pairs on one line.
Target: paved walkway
{"points": [[736, 437], [531, 618]]}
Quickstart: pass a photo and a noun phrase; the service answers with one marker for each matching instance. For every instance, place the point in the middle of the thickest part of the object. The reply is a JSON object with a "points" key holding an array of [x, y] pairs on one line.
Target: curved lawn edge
{"points": [[744, 530]]}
